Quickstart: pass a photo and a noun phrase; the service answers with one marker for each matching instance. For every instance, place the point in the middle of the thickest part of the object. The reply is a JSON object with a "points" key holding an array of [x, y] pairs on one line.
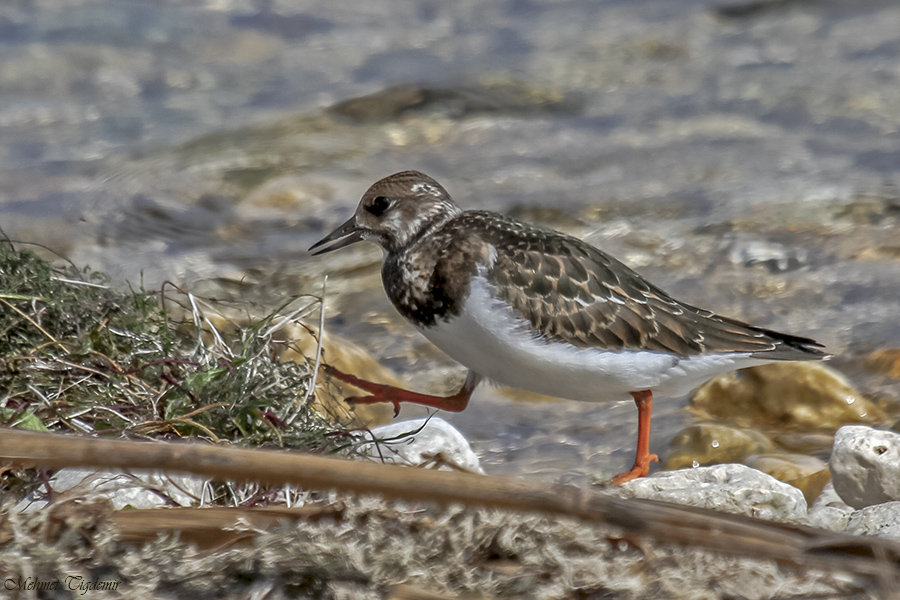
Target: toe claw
{"points": [[354, 400]]}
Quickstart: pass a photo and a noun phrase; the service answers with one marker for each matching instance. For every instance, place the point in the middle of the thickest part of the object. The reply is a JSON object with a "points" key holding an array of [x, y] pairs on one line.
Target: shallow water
{"points": [[745, 156]]}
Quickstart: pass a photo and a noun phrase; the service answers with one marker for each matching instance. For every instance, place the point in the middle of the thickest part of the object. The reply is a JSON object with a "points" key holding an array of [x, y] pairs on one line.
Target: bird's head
{"points": [[393, 212]]}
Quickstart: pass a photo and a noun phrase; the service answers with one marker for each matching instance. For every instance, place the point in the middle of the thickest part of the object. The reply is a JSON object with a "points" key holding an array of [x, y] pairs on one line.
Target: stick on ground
{"points": [[641, 519]]}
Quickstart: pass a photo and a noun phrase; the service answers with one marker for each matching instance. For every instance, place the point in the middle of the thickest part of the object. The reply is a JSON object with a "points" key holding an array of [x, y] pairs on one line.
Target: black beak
{"points": [[346, 234]]}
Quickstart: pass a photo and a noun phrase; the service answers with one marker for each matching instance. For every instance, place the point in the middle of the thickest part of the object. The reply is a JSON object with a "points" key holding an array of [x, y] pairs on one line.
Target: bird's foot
{"points": [[388, 393], [641, 467]]}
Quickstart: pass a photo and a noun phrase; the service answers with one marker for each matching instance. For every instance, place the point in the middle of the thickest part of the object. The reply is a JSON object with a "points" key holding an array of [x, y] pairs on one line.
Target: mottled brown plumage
{"points": [[573, 292]]}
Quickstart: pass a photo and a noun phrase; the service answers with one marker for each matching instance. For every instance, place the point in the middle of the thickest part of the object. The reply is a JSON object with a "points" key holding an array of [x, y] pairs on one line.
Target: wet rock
{"points": [[885, 361], [501, 97], [785, 466], [882, 520], [422, 442], [812, 485], [292, 199], [712, 443], [289, 26], [811, 443], [806, 473], [773, 256], [731, 488], [791, 395], [872, 207], [347, 357], [829, 511], [741, 9], [865, 465], [137, 489]]}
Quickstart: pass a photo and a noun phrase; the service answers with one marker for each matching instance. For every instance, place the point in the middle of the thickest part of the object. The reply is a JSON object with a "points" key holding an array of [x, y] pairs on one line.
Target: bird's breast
{"points": [[417, 293]]}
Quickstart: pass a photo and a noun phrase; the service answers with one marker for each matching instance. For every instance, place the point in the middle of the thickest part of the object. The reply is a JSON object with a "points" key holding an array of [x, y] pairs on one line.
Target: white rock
{"points": [[421, 442], [882, 520], [865, 465], [138, 489], [829, 511], [731, 488]]}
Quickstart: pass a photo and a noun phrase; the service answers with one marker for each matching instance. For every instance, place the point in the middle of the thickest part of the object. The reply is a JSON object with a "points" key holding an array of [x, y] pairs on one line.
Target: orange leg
{"points": [[642, 458], [388, 393]]}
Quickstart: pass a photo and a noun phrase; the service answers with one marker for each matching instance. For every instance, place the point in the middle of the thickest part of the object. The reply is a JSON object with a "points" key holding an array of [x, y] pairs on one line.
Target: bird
{"points": [[536, 309]]}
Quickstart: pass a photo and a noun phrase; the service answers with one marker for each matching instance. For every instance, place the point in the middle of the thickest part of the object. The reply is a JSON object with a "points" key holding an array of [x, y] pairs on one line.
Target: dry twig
{"points": [[666, 523]]}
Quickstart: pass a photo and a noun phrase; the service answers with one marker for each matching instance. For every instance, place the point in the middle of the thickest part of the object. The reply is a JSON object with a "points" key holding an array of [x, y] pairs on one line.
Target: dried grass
{"points": [[79, 355]]}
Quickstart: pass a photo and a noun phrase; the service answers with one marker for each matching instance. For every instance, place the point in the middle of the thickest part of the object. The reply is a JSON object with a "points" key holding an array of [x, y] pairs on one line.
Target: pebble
{"points": [[730, 488], [808, 443], [135, 489], [773, 256], [796, 396], [806, 473], [829, 511], [293, 199], [865, 465], [713, 443], [882, 520], [422, 442], [885, 361]]}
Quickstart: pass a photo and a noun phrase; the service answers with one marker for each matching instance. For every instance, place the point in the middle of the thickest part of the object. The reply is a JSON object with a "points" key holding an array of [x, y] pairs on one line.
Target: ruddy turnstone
{"points": [[539, 310]]}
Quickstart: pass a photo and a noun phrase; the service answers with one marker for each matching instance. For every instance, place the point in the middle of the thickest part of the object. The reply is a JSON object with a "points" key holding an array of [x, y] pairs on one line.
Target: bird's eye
{"points": [[379, 205]]}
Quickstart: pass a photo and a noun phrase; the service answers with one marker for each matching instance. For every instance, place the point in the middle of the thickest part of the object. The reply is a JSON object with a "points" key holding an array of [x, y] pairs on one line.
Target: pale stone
{"points": [[829, 511], [422, 442], [882, 520], [136, 488], [730, 488], [865, 465]]}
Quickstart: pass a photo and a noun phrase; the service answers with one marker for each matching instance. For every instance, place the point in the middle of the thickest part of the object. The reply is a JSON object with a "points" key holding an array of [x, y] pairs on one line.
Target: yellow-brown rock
{"points": [[806, 473], [811, 443], [712, 443], [287, 194], [345, 356], [797, 396], [885, 361]]}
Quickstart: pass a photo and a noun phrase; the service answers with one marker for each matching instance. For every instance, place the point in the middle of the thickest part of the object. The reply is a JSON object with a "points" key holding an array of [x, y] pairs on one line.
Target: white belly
{"points": [[489, 339]]}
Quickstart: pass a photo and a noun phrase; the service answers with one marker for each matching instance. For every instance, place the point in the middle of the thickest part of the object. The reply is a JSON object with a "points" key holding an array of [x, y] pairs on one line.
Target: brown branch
{"points": [[211, 528], [666, 523]]}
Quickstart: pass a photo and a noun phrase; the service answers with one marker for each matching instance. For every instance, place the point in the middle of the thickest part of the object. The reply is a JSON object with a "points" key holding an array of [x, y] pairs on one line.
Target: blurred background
{"points": [[743, 154]]}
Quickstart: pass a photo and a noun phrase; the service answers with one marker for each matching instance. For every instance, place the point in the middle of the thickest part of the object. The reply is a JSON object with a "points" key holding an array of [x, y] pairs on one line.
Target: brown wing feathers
{"points": [[572, 292]]}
